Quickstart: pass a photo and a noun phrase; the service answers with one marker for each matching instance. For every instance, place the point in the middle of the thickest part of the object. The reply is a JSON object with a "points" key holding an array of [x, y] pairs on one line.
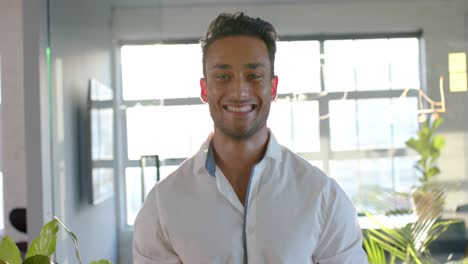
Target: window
{"points": [[339, 106]]}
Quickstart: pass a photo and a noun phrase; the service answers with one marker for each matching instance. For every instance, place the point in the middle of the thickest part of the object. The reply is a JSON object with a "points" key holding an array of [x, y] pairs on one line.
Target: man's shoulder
{"points": [[303, 170], [186, 172]]}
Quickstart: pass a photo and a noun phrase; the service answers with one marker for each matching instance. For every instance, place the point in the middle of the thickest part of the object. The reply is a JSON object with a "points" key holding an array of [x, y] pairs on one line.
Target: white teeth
{"points": [[240, 109]]}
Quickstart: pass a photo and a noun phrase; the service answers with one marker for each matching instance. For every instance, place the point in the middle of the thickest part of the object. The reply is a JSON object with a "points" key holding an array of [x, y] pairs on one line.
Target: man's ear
{"points": [[203, 90], [274, 88]]}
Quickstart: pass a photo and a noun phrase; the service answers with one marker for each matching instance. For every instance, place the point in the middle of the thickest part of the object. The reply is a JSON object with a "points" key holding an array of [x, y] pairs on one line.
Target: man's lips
{"points": [[243, 108]]}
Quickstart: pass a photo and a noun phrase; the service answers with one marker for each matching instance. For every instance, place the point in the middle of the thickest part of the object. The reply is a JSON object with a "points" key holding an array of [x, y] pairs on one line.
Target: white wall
{"points": [[13, 138], [25, 123]]}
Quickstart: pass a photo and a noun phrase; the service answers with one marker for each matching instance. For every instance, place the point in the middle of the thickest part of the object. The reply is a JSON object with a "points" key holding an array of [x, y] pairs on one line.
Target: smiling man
{"points": [[243, 198]]}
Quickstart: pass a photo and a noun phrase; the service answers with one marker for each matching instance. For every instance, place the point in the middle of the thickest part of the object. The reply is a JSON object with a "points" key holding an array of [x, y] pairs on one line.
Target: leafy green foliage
{"points": [[37, 259], [429, 147], [375, 253], [72, 237], [42, 247], [410, 244], [101, 261], [9, 252], [44, 243]]}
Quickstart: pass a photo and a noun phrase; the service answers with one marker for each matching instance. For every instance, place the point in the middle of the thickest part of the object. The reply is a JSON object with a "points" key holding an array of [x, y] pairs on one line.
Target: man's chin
{"points": [[240, 134]]}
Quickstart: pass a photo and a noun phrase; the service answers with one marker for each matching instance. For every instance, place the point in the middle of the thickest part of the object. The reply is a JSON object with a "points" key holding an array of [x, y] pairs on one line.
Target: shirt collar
{"points": [[273, 151]]}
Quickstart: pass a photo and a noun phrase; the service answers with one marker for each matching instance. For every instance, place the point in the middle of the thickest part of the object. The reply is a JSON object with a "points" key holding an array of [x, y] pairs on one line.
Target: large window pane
{"points": [[339, 69], [346, 173], [405, 174], [296, 124], [161, 71], [305, 126], [132, 193], [354, 176], [404, 118], [367, 122], [298, 66], [374, 131], [372, 64], [167, 131], [280, 122], [133, 187], [404, 59], [343, 132]]}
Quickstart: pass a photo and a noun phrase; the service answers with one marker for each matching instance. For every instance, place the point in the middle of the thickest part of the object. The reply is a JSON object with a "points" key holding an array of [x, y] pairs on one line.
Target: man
{"points": [[243, 198]]}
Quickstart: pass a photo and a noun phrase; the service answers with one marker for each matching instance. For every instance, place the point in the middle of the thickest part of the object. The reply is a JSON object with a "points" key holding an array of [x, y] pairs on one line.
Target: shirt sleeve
{"points": [[150, 241], [341, 237]]}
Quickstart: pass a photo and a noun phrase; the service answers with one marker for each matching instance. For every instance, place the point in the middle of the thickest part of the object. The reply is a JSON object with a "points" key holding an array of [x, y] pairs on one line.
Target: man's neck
{"points": [[234, 152], [236, 158]]}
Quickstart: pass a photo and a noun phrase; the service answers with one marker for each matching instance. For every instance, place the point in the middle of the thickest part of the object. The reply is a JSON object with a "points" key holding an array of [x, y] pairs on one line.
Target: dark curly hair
{"points": [[239, 24]]}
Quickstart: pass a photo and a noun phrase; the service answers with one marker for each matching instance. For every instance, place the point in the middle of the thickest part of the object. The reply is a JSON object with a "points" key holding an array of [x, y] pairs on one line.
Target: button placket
{"points": [[252, 214]]}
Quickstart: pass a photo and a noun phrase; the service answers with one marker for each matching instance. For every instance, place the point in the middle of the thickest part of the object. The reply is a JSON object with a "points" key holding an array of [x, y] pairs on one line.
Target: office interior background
{"points": [[89, 87]]}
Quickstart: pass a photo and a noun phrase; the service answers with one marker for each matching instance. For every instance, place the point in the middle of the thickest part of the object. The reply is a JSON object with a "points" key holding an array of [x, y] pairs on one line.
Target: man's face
{"points": [[238, 85]]}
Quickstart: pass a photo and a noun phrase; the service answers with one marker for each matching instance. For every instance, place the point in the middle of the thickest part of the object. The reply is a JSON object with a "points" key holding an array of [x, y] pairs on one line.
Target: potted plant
{"points": [[410, 244], [41, 248]]}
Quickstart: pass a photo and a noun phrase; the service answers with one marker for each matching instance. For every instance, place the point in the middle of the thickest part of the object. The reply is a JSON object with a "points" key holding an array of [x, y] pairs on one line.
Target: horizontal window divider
{"points": [[162, 162], [110, 163], [367, 154], [164, 102], [355, 36], [351, 95], [101, 104]]}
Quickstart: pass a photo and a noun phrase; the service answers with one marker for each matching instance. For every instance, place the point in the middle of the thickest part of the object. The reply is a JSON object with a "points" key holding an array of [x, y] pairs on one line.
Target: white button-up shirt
{"points": [[293, 214]]}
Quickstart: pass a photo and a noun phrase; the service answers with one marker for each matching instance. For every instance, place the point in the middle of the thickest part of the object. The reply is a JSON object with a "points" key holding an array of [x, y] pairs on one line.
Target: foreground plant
{"points": [[410, 244], [41, 248]]}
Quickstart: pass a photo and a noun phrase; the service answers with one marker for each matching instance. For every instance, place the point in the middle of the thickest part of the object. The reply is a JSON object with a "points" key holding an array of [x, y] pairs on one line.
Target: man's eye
{"points": [[223, 77], [254, 77]]}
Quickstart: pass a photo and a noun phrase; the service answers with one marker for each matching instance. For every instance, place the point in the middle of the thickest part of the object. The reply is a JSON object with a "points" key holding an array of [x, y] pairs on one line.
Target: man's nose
{"points": [[240, 88]]}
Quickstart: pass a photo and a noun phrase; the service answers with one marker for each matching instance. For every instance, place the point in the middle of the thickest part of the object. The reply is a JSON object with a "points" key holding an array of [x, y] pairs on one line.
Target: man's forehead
{"points": [[250, 65]]}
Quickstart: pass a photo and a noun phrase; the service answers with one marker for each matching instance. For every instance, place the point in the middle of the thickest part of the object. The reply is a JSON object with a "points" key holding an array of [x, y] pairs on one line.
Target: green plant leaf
{"points": [[437, 123], [37, 259], [9, 252], [424, 134], [73, 238], [375, 254], [432, 172], [101, 261], [413, 144], [389, 247], [44, 243], [438, 142]]}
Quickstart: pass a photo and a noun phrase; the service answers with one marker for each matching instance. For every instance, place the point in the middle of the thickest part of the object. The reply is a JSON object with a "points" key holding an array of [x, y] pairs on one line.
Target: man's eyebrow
{"points": [[222, 66], [255, 65]]}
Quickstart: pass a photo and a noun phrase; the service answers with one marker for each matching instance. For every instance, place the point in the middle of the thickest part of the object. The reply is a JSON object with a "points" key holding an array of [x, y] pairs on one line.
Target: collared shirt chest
{"points": [[278, 223]]}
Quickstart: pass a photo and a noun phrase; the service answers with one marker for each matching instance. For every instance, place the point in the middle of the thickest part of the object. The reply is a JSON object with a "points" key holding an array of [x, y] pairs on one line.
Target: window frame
{"points": [[325, 153]]}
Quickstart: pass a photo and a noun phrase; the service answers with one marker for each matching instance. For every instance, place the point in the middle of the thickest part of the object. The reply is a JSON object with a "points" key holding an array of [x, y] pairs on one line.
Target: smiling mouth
{"points": [[240, 108]]}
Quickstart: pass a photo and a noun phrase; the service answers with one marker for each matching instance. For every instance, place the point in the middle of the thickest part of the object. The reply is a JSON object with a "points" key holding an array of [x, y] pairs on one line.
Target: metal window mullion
{"points": [[324, 124], [120, 140]]}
